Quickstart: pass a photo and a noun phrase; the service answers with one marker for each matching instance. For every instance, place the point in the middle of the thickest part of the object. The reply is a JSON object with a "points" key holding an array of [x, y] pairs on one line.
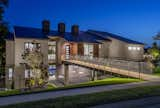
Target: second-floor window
{"points": [[52, 50], [29, 46], [88, 50]]}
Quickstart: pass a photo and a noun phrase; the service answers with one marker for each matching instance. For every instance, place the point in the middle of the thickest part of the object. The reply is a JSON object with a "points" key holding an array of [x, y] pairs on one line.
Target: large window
{"points": [[52, 50], [88, 50], [51, 57], [28, 73], [52, 69], [29, 46], [10, 73]]}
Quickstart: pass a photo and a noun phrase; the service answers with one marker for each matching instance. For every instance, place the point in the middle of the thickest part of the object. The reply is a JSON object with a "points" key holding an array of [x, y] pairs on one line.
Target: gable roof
{"points": [[107, 34], [90, 36], [29, 32]]}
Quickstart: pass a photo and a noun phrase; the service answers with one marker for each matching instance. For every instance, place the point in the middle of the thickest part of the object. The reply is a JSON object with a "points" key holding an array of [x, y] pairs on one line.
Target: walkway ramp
{"points": [[129, 73]]}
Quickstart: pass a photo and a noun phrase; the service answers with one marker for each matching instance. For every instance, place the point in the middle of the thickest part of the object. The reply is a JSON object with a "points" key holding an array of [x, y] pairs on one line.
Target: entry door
{"points": [[67, 50]]}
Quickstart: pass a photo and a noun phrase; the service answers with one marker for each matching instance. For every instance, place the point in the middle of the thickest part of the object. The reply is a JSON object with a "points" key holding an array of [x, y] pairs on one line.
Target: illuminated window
{"points": [[10, 73], [51, 56], [52, 69], [88, 50], [29, 46], [52, 50], [28, 73]]}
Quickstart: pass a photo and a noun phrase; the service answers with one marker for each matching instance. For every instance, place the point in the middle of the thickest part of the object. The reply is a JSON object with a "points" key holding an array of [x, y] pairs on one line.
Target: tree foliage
{"points": [[3, 34], [34, 60], [3, 4], [154, 51]]}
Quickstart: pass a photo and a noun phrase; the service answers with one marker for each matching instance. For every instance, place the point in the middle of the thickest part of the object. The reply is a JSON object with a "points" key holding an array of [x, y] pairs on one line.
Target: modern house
{"points": [[59, 45]]}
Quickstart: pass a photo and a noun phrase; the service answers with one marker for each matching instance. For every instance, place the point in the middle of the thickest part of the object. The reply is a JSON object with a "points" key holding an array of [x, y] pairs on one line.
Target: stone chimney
{"points": [[45, 26], [75, 30], [61, 28]]}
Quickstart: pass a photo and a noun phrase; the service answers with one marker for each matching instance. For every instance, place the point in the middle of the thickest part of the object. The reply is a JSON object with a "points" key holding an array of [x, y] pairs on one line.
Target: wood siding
{"points": [[95, 50], [80, 49]]}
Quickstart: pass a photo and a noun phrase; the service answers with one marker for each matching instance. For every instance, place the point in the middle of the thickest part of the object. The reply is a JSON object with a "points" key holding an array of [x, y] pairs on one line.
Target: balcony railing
{"points": [[142, 67]]}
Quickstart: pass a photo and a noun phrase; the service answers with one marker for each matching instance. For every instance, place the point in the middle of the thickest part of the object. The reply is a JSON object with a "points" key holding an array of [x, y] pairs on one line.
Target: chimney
{"points": [[75, 30], [61, 28], [45, 26]]}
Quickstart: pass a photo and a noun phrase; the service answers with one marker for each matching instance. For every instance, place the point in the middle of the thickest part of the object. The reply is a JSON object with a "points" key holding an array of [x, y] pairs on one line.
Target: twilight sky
{"points": [[135, 19]]}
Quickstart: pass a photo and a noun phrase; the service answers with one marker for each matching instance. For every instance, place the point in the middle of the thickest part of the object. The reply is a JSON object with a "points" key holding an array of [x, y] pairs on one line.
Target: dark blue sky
{"points": [[136, 19]]}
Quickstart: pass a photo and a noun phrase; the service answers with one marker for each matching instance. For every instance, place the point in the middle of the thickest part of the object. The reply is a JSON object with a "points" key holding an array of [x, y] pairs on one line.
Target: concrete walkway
{"points": [[133, 74], [71, 92], [150, 102]]}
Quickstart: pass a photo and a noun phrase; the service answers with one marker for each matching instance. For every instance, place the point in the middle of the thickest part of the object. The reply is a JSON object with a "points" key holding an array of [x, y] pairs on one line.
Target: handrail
{"points": [[141, 67]]}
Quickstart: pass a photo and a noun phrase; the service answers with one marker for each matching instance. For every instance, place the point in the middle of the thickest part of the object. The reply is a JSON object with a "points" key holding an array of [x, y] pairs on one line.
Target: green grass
{"points": [[107, 81], [51, 87], [87, 100], [9, 92]]}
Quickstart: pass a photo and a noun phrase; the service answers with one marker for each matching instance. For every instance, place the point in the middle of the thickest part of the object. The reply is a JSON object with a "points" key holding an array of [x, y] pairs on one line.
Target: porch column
{"points": [[58, 67], [93, 75], [66, 74]]}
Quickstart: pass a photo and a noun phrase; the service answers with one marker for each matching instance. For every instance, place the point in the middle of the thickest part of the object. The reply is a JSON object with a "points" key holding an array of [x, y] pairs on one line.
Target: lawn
{"points": [[107, 81], [87, 100]]}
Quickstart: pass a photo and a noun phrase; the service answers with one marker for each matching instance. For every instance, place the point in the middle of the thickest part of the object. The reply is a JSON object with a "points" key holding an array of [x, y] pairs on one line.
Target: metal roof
{"points": [[107, 34], [90, 36]]}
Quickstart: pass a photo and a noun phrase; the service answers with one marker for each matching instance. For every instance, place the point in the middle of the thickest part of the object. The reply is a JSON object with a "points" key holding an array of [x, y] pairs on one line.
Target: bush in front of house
{"points": [[156, 70]]}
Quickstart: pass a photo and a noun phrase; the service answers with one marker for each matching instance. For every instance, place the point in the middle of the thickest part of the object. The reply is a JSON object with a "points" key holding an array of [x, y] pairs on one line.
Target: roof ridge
{"points": [[119, 37]]}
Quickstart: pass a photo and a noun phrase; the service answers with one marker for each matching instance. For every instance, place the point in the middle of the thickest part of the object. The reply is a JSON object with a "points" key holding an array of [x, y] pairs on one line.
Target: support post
{"points": [[58, 70], [66, 74], [95, 75]]}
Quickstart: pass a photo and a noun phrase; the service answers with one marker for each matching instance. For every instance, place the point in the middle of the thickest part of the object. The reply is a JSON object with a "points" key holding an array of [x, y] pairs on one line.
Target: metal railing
{"points": [[141, 67]]}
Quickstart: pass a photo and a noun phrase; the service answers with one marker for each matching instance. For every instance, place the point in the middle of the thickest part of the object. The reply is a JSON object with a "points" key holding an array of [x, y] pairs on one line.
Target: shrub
{"points": [[156, 69]]}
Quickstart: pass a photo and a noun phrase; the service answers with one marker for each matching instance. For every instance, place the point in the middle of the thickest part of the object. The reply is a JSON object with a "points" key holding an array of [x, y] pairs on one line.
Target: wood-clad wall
{"points": [[96, 50], [80, 49]]}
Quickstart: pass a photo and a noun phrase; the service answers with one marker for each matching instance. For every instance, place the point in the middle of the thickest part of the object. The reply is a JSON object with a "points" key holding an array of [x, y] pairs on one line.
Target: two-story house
{"points": [[59, 44]]}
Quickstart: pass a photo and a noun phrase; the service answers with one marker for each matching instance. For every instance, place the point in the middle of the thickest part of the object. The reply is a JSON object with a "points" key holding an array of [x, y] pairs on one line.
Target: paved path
{"points": [[133, 74], [150, 102], [70, 92]]}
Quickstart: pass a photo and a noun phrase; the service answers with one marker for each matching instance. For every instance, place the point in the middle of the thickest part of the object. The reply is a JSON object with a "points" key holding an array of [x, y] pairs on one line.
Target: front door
{"points": [[67, 51]]}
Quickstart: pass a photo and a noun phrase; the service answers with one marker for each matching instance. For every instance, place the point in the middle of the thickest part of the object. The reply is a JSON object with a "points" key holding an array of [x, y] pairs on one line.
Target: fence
{"points": [[141, 67]]}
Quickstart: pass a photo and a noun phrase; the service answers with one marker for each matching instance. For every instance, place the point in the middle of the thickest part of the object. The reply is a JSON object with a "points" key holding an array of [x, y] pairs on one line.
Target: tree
{"points": [[34, 60], [154, 51], [3, 34], [154, 45], [3, 4]]}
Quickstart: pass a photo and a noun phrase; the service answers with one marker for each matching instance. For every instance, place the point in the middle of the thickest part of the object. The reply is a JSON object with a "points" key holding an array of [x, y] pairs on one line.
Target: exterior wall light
{"points": [[138, 48], [134, 48], [129, 48]]}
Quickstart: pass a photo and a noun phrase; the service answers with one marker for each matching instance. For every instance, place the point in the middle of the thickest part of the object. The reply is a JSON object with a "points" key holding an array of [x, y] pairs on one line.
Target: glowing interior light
{"points": [[81, 72], [134, 48], [129, 48], [138, 48]]}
